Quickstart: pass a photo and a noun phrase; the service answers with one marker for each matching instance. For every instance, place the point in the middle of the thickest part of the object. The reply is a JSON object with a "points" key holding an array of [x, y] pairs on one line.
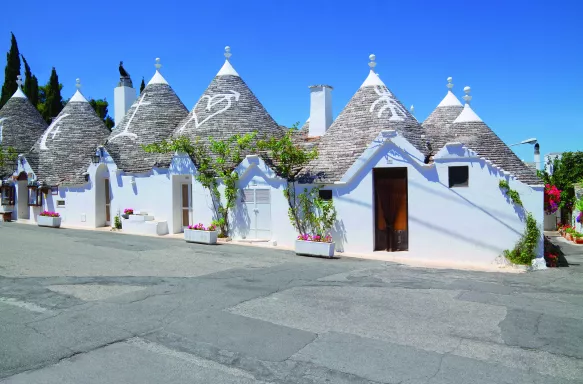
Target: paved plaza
{"points": [[97, 307]]}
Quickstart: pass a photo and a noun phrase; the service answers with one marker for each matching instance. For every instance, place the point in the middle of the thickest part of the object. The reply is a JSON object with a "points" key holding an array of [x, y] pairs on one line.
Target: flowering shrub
{"points": [[50, 214], [128, 211], [200, 227], [318, 238], [552, 198], [551, 259]]}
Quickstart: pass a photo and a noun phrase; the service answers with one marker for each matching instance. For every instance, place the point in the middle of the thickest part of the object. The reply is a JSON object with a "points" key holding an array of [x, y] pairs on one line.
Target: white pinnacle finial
{"points": [[158, 65], [449, 83], [228, 53], [412, 109], [78, 83], [19, 81], [372, 63], [467, 97]]}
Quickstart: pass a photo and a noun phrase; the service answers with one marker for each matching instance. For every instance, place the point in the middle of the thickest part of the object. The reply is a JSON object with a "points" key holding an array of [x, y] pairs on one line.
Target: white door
{"points": [[107, 203], [22, 200], [186, 205], [258, 202]]}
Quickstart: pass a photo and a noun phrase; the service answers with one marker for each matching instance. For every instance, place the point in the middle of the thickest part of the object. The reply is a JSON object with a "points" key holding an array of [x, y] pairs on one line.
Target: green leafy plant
{"points": [[511, 193], [316, 215], [567, 170], [525, 249], [215, 162], [287, 159], [7, 155], [117, 221]]}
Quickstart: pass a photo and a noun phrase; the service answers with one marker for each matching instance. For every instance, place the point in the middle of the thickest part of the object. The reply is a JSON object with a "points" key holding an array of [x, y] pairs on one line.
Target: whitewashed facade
{"points": [[470, 223]]}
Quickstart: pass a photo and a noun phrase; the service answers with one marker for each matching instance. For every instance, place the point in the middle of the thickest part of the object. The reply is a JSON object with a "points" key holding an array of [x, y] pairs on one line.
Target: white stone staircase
{"points": [[141, 223]]}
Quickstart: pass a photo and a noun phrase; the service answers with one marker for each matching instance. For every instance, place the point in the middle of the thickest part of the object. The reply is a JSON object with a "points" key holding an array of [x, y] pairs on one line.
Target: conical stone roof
{"points": [[20, 126], [471, 131], [371, 110], [63, 153], [228, 107], [152, 118], [438, 122]]}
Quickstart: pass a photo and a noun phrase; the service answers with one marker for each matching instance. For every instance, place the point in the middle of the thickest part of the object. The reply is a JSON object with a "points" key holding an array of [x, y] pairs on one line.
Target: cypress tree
{"points": [[33, 97], [54, 102], [142, 86], [30, 83], [10, 72]]}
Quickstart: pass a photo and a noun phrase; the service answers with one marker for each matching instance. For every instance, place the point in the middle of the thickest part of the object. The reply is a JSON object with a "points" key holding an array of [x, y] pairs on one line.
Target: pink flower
{"points": [[50, 214]]}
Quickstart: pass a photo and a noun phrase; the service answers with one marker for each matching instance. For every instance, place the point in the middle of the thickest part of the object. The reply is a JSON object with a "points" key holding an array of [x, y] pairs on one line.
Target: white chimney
{"points": [[124, 96], [320, 109], [537, 156]]}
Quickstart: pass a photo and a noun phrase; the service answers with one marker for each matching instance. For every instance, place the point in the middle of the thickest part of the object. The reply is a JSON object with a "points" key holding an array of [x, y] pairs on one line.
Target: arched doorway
{"points": [[22, 208], [102, 197]]}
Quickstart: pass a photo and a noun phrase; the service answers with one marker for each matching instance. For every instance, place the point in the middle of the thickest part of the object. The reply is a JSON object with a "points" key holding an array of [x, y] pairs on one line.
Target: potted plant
{"points": [[127, 212], [317, 216], [577, 238], [49, 219], [315, 245], [199, 234], [569, 233]]}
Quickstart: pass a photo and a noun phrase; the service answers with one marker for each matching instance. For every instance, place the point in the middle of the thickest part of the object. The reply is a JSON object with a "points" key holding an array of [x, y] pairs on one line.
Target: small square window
{"points": [[325, 194], [458, 176], [60, 203]]}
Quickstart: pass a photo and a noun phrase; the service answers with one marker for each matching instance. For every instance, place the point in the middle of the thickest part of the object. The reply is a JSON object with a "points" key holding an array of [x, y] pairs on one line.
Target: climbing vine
{"points": [[525, 249], [215, 162], [287, 159], [511, 193]]}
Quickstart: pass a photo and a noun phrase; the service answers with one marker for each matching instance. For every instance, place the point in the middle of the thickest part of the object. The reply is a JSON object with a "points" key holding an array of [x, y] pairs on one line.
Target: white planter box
{"points": [[203, 237], [314, 248], [46, 221]]}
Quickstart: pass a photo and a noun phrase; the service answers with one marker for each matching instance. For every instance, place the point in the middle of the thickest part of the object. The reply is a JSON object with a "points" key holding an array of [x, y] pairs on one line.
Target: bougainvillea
{"points": [[128, 211], [552, 198], [50, 214]]}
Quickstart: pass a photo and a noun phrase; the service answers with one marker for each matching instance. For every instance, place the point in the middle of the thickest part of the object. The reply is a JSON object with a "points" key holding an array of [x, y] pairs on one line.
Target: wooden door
{"points": [[107, 202], [186, 205], [391, 216]]}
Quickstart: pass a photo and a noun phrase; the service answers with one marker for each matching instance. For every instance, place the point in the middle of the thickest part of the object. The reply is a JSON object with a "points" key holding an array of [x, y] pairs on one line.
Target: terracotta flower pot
{"points": [[568, 237], [578, 240]]}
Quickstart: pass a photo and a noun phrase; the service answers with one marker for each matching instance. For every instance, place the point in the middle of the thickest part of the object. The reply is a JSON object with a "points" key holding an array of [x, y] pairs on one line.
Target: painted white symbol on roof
{"points": [[212, 101], [54, 129], [125, 131], [391, 103], [2, 127]]}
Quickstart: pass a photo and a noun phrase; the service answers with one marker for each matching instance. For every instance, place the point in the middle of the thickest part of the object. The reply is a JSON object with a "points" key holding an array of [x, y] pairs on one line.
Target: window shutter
{"points": [[262, 196]]}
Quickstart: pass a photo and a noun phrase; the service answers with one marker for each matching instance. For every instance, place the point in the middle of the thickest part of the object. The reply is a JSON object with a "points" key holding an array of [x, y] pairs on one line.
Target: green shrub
{"points": [[525, 249]]}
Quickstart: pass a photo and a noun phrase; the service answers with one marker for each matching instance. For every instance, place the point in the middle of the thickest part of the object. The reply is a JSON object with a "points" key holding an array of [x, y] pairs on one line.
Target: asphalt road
{"points": [[97, 307]]}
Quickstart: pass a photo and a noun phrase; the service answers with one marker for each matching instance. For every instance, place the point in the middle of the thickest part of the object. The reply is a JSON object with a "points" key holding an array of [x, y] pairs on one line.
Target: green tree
{"points": [[53, 103], [10, 72], [101, 108], [30, 84], [7, 155], [142, 86], [215, 162], [287, 159], [567, 171]]}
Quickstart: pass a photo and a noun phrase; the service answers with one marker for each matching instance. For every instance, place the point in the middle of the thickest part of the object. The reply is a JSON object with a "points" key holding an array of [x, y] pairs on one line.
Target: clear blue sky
{"points": [[523, 59]]}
